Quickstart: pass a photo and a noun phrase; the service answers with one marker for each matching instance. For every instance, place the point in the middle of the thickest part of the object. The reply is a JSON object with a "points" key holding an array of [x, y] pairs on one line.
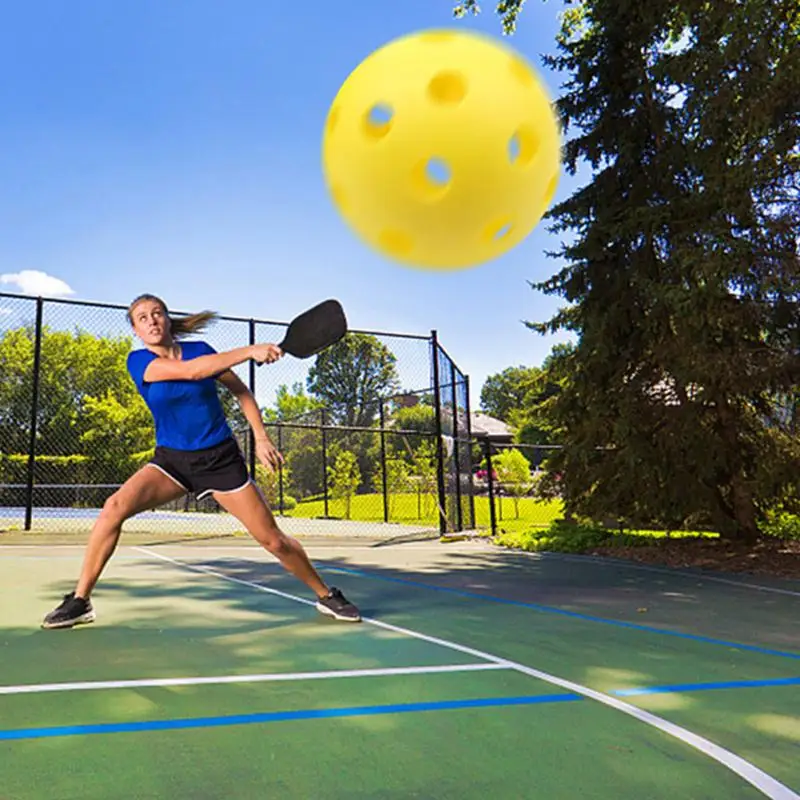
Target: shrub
{"points": [[565, 537], [781, 525]]}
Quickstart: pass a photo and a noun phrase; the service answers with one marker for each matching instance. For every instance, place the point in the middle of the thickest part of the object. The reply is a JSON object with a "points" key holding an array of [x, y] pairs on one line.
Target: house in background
{"points": [[485, 427], [482, 426]]}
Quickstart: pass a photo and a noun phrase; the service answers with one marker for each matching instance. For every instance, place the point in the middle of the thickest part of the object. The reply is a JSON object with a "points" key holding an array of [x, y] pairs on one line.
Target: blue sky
{"points": [[173, 146]]}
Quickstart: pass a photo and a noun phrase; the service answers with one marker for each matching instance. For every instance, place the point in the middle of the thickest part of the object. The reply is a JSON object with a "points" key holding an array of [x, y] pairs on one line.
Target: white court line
{"points": [[36, 688], [765, 783]]}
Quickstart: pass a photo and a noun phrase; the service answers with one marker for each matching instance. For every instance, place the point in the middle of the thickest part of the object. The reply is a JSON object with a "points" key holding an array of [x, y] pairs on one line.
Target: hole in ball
{"points": [[378, 120], [523, 146], [498, 230], [447, 88], [380, 114], [438, 172], [431, 179]]}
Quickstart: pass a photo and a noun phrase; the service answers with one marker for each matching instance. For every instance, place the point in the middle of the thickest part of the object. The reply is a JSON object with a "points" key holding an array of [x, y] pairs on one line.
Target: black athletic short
{"points": [[216, 469]]}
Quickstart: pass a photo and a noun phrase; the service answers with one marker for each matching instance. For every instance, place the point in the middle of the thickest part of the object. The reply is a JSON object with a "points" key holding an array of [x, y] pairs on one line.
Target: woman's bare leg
{"points": [[147, 488], [252, 510]]}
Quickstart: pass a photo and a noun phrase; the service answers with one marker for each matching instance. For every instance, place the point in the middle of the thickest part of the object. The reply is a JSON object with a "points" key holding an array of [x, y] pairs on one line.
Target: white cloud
{"points": [[32, 281], [4, 312]]}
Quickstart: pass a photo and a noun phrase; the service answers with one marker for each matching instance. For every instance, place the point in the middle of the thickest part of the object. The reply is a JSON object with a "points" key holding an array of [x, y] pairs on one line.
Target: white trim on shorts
{"points": [[207, 492], [172, 478]]}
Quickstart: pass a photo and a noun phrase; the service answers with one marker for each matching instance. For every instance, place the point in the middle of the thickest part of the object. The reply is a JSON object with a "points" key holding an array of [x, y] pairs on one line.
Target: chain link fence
{"points": [[452, 408], [507, 486], [374, 432]]}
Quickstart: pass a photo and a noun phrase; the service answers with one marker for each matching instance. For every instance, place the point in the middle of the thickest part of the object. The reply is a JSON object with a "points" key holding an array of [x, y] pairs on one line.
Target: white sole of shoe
{"points": [[331, 613], [89, 616]]}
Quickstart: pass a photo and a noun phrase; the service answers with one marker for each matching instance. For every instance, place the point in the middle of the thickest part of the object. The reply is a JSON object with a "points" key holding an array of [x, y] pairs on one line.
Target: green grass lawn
{"points": [[530, 524], [530, 513], [413, 509]]}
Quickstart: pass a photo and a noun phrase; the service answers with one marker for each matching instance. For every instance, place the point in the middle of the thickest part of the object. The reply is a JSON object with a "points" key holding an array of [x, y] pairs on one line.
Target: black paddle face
{"points": [[315, 329]]}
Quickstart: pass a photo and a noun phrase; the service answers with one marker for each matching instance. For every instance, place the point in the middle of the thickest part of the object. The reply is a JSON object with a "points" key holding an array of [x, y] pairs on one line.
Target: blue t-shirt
{"points": [[188, 414]]}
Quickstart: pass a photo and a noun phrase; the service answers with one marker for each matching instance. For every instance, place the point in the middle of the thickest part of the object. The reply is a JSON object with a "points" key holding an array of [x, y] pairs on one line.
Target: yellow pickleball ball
{"points": [[442, 149]]}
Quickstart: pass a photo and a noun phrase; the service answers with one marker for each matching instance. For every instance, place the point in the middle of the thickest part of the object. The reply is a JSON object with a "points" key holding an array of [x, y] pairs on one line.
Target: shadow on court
{"points": [[712, 656], [749, 610]]}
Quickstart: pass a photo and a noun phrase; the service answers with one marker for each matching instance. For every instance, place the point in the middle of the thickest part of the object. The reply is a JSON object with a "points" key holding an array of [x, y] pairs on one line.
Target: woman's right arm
{"points": [[196, 369]]}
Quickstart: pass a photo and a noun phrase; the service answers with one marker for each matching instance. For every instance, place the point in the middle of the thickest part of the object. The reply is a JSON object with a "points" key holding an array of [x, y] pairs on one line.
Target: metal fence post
{"points": [[324, 462], [252, 364], [456, 460], [37, 358], [383, 463], [490, 487], [470, 483], [280, 468], [437, 404]]}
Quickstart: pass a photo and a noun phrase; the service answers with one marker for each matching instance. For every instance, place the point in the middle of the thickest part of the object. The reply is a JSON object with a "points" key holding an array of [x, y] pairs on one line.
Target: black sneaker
{"points": [[72, 611], [336, 605]]}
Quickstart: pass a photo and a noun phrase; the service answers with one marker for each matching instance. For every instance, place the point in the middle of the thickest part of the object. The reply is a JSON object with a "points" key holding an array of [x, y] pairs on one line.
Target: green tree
{"points": [[268, 482], [419, 418], [533, 423], [514, 473], [344, 477], [233, 412], [292, 404], [418, 423], [301, 446], [518, 396], [509, 391], [397, 481], [681, 275], [302, 451], [507, 10], [16, 389], [410, 446], [423, 474], [351, 377], [117, 428], [87, 401]]}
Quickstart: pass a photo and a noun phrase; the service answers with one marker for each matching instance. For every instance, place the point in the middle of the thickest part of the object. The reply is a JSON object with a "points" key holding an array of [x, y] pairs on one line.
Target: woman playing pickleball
{"points": [[195, 452]]}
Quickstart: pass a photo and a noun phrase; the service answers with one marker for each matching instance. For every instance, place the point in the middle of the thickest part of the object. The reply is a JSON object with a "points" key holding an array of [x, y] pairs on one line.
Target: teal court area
{"points": [[477, 672]]}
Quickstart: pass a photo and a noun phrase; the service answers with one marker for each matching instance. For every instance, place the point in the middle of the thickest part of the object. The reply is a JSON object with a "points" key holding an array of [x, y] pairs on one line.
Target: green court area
{"points": [[477, 672]]}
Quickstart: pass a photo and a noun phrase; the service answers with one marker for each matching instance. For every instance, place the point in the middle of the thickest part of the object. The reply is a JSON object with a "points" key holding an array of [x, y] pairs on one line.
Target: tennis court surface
{"points": [[477, 672]]}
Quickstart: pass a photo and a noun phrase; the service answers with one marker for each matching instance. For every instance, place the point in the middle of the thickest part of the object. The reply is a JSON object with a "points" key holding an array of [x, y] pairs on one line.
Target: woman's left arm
{"points": [[265, 449]]}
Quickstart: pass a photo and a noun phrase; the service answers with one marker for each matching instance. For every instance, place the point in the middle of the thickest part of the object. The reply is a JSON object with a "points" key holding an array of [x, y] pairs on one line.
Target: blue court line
{"points": [[705, 687], [573, 614], [281, 716], [363, 711]]}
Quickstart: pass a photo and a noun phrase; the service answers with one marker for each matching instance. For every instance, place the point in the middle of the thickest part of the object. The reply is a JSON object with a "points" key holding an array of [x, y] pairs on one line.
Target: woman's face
{"points": [[151, 323]]}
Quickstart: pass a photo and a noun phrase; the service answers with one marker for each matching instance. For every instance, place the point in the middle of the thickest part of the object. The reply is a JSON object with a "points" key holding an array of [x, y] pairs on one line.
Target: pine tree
{"points": [[681, 273]]}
